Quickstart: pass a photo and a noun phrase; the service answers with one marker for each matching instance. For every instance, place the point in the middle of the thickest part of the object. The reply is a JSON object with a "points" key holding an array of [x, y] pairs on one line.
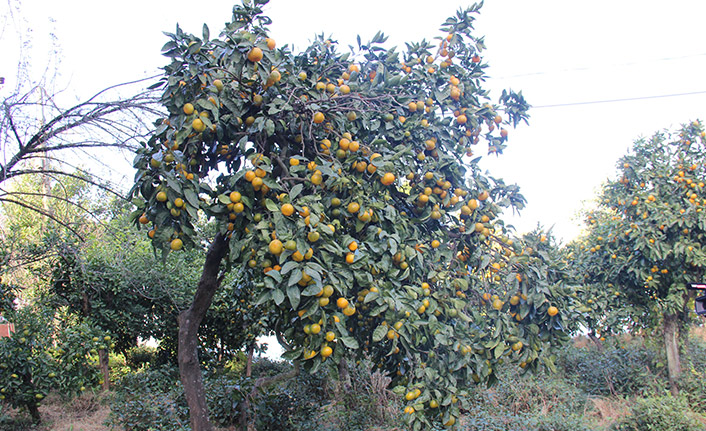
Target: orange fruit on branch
{"points": [[255, 55], [388, 178]]}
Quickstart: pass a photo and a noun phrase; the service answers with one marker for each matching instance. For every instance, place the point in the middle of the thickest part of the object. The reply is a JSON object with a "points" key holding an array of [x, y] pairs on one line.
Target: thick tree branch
{"points": [[20, 144], [264, 382]]}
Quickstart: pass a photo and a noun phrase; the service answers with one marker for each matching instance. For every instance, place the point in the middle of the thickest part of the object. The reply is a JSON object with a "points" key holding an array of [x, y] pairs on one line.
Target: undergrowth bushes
{"points": [[621, 388], [152, 399], [664, 413], [693, 384], [149, 399], [623, 369], [528, 403]]}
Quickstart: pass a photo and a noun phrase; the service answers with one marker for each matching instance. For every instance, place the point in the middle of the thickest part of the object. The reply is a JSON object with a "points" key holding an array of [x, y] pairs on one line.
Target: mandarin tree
{"points": [[344, 186], [644, 241], [47, 352]]}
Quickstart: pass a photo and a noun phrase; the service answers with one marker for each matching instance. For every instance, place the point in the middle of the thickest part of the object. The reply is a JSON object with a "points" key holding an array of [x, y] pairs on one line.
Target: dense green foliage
{"points": [[645, 238], [618, 388], [659, 414], [360, 229], [48, 352], [347, 188]]}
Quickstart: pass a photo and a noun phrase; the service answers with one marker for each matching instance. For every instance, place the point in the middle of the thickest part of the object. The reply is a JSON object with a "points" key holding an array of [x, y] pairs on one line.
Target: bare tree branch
{"points": [[19, 195], [83, 130], [68, 174]]}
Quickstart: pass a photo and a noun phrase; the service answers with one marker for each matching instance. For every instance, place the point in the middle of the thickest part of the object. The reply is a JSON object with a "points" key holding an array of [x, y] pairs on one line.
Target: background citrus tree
{"points": [[645, 239], [48, 351], [346, 188]]}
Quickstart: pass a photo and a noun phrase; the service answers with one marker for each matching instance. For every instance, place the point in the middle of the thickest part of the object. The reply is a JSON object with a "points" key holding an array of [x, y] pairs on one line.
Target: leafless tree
{"points": [[56, 146], [42, 135]]}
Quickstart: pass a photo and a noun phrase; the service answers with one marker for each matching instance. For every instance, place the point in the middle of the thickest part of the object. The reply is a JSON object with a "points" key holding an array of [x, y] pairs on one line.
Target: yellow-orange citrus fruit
{"points": [[176, 244], [326, 351], [287, 209], [276, 247], [198, 125], [388, 178], [255, 55]]}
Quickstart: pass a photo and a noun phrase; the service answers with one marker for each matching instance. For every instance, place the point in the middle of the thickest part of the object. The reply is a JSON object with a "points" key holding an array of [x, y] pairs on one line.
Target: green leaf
{"points": [[264, 297], [372, 296], [311, 290], [350, 342], [278, 296], [499, 350], [379, 333], [288, 266], [294, 277], [295, 191], [270, 205], [294, 295], [269, 127], [275, 275], [173, 184], [191, 197], [549, 362]]}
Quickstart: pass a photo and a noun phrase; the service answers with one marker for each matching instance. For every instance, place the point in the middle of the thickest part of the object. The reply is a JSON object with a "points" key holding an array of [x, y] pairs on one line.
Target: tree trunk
{"points": [[189, 322], [103, 360], [32, 406], [248, 364], [597, 341], [245, 403], [344, 376], [34, 413], [670, 330]]}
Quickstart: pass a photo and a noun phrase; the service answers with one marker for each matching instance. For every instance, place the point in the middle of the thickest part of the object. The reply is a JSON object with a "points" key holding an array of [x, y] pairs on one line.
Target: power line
{"points": [[602, 67], [628, 99]]}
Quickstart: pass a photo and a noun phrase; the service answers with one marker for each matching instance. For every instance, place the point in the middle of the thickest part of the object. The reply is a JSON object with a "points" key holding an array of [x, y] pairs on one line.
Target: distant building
{"points": [[6, 328]]}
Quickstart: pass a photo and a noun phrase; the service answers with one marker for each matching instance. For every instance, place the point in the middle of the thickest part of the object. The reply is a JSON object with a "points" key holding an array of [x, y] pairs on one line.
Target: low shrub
{"points": [[118, 367], [366, 404], [224, 396], [626, 369], [693, 382], [659, 414], [293, 404], [531, 393], [147, 400], [153, 399], [527, 402], [140, 356], [497, 421]]}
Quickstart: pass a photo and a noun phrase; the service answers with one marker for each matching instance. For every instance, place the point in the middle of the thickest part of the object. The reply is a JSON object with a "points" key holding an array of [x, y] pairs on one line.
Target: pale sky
{"points": [[557, 52]]}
